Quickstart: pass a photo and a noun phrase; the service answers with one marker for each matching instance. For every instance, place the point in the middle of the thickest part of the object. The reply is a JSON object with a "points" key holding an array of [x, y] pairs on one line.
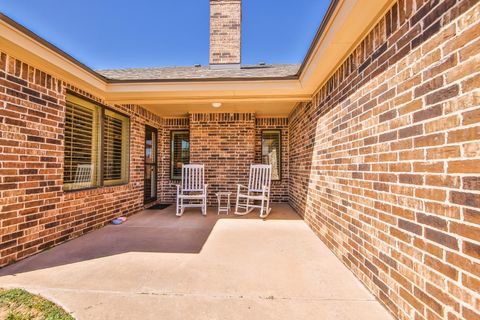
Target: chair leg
{"points": [[204, 208], [228, 204], [238, 200], [262, 207], [267, 207], [237, 203], [179, 207], [248, 208], [267, 211]]}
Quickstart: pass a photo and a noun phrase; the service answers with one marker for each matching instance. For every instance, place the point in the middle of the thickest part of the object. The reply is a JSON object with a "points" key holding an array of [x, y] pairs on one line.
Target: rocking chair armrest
{"points": [[241, 186]]}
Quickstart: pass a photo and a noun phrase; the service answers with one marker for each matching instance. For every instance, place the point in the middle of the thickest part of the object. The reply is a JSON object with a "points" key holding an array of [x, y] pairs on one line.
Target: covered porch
{"points": [[196, 267]]}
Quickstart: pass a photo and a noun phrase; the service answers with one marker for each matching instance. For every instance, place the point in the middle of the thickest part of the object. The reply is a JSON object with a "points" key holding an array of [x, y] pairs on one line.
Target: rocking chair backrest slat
{"points": [[193, 177], [260, 175], [83, 176]]}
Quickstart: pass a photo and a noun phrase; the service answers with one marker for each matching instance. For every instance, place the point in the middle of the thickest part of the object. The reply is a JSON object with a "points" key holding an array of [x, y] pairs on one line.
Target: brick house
{"points": [[377, 137]]}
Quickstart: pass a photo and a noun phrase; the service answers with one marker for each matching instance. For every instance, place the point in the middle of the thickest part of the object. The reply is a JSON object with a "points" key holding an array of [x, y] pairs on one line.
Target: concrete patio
{"points": [[216, 267]]}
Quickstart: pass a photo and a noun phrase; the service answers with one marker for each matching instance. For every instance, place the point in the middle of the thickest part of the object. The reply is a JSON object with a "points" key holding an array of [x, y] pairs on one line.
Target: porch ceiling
{"points": [[270, 108]]}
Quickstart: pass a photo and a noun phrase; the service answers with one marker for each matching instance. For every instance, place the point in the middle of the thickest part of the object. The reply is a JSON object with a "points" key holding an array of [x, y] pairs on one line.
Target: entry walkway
{"points": [[159, 266]]}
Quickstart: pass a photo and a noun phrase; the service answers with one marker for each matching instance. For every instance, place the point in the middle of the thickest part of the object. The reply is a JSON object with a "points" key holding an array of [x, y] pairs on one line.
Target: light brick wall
{"points": [[385, 161], [35, 213], [225, 31]]}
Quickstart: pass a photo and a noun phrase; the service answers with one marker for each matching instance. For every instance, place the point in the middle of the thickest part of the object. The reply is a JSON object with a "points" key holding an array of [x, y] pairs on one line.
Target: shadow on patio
{"points": [[155, 231]]}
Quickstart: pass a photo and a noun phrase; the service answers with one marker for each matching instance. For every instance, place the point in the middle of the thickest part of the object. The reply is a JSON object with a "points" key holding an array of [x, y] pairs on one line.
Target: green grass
{"points": [[18, 304]]}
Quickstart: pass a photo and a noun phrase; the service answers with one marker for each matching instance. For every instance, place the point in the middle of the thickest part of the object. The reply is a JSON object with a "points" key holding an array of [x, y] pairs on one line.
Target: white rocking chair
{"points": [[192, 187], [258, 190]]}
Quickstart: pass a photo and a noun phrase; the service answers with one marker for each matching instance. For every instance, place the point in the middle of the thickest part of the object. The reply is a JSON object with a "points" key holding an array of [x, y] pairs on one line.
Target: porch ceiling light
{"points": [[216, 104]]}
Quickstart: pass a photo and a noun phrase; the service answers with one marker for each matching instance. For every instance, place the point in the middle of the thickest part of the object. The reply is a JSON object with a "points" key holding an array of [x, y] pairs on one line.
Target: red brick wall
{"points": [[279, 191], [385, 161], [225, 144], [35, 213]]}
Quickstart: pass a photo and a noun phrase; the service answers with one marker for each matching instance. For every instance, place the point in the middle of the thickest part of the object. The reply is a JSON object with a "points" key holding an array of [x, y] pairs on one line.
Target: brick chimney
{"points": [[225, 33]]}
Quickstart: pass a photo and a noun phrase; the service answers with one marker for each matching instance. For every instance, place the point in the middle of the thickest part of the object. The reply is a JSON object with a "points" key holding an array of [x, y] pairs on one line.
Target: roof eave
{"points": [[50, 46], [323, 25], [344, 25]]}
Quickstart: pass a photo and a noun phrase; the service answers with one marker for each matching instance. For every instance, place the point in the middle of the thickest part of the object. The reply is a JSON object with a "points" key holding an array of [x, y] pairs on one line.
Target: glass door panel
{"points": [[150, 186]]}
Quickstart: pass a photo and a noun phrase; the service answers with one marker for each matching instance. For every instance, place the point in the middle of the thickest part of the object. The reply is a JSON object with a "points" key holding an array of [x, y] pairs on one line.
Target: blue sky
{"points": [[124, 33]]}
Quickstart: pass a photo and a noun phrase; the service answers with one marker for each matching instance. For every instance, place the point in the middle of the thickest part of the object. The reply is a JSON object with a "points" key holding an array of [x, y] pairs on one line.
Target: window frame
{"points": [[102, 147], [101, 131], [172, 132], [280, 151], [96, 177]]}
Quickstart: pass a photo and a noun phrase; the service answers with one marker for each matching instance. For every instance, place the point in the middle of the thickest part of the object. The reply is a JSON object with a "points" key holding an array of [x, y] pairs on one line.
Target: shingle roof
{"points": [[203, 72]]}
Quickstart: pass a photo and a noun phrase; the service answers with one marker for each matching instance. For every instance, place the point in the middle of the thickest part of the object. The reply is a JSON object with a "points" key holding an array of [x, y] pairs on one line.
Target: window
{"points": [[115, 148], [81, 144], [180, 153], [94, 157], [271, 151]]}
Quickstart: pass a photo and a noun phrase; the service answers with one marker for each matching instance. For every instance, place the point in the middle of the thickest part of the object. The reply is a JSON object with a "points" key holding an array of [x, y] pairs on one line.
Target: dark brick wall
{"points": [[35, 213]]}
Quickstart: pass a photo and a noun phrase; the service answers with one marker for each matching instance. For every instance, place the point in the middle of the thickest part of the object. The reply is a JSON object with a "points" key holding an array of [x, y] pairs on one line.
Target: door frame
{"points": [[149, 130]]}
